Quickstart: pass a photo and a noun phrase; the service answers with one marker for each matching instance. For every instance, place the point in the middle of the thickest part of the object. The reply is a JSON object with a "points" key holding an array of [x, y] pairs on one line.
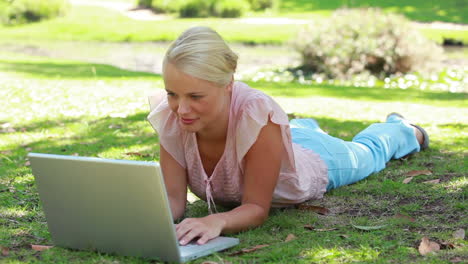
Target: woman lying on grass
{"points": [[234, 146]]}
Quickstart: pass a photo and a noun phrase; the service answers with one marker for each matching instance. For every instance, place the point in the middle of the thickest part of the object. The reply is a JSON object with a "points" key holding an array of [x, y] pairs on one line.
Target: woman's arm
{"points": [[262, 167], [175, 179]]}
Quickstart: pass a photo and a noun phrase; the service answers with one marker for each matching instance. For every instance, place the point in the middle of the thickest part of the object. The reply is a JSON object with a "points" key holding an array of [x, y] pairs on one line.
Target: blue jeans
{"points": [[368, 152]]}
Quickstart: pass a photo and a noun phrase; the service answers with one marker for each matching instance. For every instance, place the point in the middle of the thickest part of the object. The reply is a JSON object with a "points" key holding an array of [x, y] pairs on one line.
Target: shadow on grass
{"points": [[116, 135], [362, 93], [69, 70], [427, 11]]}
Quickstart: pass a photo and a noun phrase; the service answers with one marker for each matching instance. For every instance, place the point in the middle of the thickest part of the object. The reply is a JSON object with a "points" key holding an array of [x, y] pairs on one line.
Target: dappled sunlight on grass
{"points": [[107, 118], [68, 70], [340, 255], [457, 185], [13, 212], [30, 99], [376, 94]]}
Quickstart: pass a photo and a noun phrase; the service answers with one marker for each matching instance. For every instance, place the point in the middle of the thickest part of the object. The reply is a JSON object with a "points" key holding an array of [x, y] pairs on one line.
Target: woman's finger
{"points": [[204, 238], [190, 236], [184, 227]]}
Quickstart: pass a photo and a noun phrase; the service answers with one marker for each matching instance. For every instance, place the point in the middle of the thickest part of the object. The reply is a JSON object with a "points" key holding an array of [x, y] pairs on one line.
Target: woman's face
{"points": [[199, 104]]}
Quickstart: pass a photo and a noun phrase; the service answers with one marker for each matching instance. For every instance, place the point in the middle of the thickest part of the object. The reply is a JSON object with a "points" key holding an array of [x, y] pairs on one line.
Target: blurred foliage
{"points": [[207, 8], [259, 5], [356, 41], [163, 6], [13, 12], [229, 8], [455, 11]]}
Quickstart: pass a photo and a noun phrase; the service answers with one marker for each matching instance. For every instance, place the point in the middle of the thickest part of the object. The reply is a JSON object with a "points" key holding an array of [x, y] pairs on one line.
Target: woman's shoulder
{"points": [[256, 105], [244, 95]]}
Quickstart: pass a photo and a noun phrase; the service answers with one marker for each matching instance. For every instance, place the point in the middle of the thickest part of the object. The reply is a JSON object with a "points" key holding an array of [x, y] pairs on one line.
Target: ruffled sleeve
{"points": [[256, 109], [164, 122]]}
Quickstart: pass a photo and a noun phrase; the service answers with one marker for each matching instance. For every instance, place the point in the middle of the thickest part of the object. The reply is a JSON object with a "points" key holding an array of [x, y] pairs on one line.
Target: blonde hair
{"points": [[202, 53]]}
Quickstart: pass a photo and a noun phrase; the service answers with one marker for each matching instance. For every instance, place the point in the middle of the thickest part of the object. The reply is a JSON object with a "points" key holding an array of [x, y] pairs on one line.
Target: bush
{"points": [[166, 6], [258, 5], [145, 3], [23, 11], [198, 8], [218, 8], [230, 8], [355, 41]]}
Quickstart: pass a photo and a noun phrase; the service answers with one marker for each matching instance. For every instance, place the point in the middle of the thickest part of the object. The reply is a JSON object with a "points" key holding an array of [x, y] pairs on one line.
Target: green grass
{"points": [[98, 24], [455, 11], [64, 107]]}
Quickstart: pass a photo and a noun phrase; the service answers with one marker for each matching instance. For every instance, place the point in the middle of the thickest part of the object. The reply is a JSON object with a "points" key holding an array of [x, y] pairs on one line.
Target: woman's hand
{"points": [[205, 228]]}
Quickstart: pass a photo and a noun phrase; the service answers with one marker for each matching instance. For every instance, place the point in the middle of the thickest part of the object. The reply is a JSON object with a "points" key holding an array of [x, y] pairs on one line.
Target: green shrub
{"points": [[145, 3], [167, 6], [258, 5], [355, 41], [230, 8], [196, 8], [23, 11]]}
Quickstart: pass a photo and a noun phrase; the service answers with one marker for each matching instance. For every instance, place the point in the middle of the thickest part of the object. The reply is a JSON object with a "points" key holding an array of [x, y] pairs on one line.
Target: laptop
{"points": [[112, 206]]}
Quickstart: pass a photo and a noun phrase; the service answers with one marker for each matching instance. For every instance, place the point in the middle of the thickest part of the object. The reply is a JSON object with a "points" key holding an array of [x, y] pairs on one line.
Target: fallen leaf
{"points": [[368, 228], [426, 246], [405, 217], [460, 234], [309, 227], [417, 172], [325, 229], [290, 237], [407, 180], [209, 262], [314, 208], [75, 154], [5, 251], [447, 245], [40, 247], [248, 250], [27, 163], [344, 236], [432, 181]]}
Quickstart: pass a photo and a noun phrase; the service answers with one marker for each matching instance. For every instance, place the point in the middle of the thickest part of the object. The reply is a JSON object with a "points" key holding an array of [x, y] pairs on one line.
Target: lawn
{"points": [[85, 23], [455, 11], [76, 108]]}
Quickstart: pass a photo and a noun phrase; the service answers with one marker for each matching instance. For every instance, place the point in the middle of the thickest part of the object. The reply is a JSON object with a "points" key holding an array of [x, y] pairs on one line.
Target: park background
{"points": [[74, 81]]}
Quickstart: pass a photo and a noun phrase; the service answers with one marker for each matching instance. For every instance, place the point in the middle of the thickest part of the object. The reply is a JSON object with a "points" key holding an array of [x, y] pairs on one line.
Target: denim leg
{"points": [[368, 152]]}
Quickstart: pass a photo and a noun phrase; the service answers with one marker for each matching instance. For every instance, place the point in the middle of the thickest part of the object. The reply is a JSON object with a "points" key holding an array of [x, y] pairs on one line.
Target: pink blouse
{"points": [[303, 173]]}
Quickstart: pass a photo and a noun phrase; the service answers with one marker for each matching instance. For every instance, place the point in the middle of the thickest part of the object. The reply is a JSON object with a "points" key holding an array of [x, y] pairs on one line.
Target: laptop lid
{"points": [[113, 206]]}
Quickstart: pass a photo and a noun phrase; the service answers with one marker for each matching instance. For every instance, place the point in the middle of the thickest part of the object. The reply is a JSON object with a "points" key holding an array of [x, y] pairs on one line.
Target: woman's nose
{"points": [[184, 107]]}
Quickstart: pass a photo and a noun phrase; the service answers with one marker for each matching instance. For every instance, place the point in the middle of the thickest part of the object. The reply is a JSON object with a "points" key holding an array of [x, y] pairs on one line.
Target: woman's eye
{"points": [[170, 94], [196, 97]]}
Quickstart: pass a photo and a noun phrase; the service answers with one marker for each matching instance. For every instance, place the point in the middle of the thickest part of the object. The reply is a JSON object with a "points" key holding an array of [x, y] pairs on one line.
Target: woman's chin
{"points": [[192, 127]]}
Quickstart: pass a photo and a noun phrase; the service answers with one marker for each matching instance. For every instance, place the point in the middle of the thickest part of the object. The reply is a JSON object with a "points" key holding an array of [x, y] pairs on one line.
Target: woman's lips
{"points": [[187, 121]]}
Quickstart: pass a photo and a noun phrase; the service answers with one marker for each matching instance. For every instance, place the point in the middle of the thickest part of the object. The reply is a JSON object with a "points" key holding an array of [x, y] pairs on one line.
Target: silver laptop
{"points": [[112, 206]]}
